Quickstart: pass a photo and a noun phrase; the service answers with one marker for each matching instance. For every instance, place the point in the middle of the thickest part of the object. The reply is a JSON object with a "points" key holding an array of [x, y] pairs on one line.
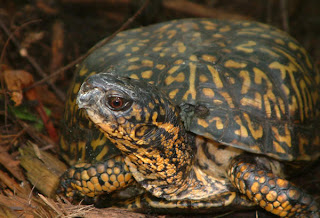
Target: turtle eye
{"points": [[118, 103]]}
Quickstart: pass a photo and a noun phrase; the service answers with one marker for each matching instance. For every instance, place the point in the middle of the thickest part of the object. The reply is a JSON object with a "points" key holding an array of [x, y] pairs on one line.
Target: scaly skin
{"points": [[274, 194]]}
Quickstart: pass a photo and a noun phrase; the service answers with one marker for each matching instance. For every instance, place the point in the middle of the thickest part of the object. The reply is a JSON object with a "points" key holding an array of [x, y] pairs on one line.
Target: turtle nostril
{"points": [[86, 87]]}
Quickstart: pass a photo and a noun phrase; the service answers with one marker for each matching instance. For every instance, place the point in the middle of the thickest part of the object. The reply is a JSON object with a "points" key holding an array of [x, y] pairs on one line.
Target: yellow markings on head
{"points": [[286, 138], [255, 102], [203, 123], [246, 47], [160, 66], [242, 132], [179, 78], [215, 77], [234, 64], [192, 79], [134, 76], [208, 92], [173, 93], [146, 74]]}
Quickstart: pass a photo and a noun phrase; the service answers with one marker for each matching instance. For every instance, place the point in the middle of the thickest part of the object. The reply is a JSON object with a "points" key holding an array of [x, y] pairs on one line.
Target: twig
{"points": [[284, 13], [10, 36], [32, 61], [98, 45]]}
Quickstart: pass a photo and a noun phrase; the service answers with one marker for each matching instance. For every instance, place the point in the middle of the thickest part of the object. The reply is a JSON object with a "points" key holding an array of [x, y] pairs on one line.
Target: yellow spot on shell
{"points": [[134, 59], [246, 47], [286, 138], [255, 132], [209, 58], [279, 41], [102, 153], [83, 71], [225, 29], [193, 58], [76, 88], [203, 123], [160, 66], [179, 78], [192, 80], [134, 49], [173, 93], [293, 46], [256, 102], [203, 78], [208, 92], [146, 74], [234, 64], [120, 48], [215, 76], [134, 76], [147, 63], [217, 35], [173, 69], [242, 132]]}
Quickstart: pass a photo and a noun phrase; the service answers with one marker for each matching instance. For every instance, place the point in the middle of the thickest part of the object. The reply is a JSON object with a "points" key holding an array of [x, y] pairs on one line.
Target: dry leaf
{"points": [[16, 80]]}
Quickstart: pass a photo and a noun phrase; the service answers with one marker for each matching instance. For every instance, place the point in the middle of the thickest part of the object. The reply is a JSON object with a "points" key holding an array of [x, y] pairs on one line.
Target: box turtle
{"points": [[197, 115]]}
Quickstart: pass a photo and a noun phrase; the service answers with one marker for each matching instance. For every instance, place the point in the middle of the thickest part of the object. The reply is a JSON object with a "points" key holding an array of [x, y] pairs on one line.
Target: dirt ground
{"points": [[39, 38]]}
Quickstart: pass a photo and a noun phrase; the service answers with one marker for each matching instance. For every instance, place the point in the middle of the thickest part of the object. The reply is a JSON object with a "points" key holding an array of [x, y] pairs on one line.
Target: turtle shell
{"points": [[248, 85]]}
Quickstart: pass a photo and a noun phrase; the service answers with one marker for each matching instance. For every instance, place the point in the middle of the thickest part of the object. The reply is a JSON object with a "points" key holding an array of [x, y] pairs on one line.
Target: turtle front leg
{"points": [[92, 180], [276, 195]]}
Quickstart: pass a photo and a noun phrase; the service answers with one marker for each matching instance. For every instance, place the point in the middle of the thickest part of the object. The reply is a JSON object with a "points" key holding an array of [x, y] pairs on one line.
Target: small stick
{"points": [[100, 44], [32, 61]]}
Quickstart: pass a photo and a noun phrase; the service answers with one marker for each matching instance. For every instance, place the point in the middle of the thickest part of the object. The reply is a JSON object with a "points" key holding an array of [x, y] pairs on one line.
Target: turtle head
{"points": [[126, 108], [142, 122]]}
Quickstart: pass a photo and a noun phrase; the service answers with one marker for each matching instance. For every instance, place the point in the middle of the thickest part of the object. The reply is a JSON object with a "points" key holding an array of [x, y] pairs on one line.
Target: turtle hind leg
{"points": [[269, 191], [92, 180]]}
